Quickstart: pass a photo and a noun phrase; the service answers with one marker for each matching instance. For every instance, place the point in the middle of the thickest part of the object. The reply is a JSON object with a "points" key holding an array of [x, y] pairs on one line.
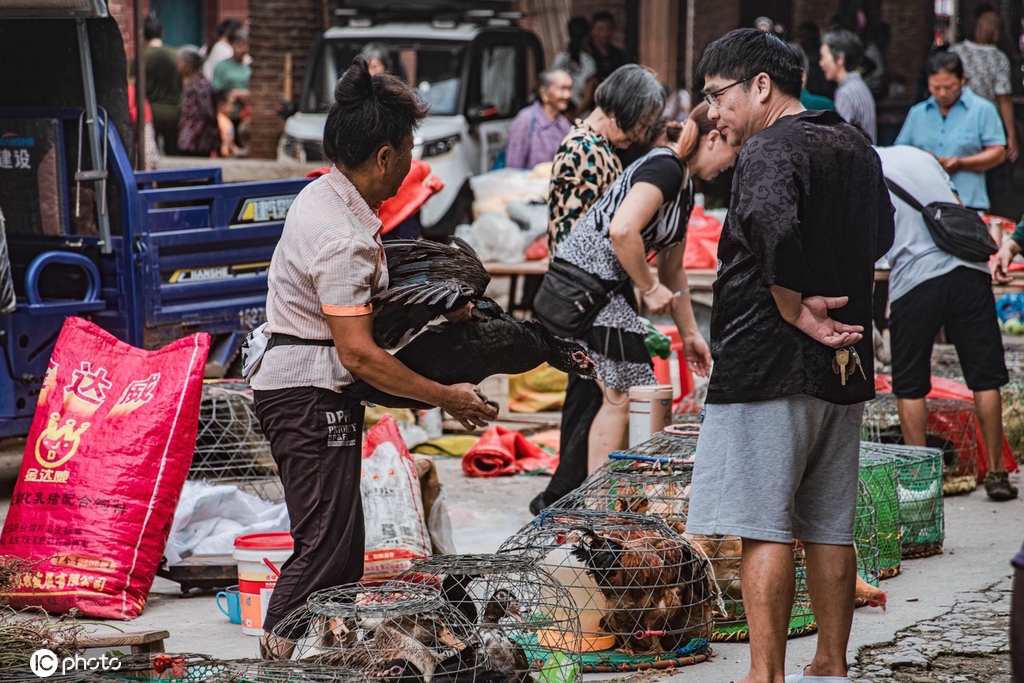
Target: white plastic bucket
{"points": [[256, 578], [650, 410]]}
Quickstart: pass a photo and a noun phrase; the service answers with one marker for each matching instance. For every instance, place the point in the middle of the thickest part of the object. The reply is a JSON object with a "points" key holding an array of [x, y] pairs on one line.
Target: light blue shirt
{"points": [[971, 125]]}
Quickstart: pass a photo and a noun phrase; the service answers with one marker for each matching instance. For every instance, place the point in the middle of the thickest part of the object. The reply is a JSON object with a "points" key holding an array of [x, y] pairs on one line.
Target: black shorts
{"points": [[962, 301]]}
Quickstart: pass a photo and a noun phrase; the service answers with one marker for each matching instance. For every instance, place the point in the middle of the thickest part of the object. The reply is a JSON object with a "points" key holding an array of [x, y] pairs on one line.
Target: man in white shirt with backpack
{"points": [[930, 289]]}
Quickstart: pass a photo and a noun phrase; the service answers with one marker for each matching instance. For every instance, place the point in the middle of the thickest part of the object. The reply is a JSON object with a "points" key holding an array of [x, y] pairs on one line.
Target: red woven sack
{"points": [[104, 465]]}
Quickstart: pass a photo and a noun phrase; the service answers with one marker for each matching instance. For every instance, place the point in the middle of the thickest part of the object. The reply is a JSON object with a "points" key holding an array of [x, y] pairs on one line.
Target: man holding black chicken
{"points": [[778, 454]]}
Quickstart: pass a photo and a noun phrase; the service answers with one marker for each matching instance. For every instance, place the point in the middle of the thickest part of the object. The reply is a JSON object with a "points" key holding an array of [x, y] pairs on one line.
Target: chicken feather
{"points": [[658, 590]]}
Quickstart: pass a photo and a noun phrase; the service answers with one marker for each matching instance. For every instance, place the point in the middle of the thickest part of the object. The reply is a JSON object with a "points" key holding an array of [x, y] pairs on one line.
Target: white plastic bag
{"points": [[495, 237], [492, 190], [209, 517], [253, 348]]}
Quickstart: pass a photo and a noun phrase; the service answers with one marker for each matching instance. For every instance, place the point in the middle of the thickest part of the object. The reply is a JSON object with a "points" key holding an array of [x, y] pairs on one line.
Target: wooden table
{"points": [[701, 280], [513, 271]]}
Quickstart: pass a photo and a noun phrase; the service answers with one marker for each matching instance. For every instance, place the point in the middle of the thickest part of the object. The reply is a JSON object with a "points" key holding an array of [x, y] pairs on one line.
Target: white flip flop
{"points": [[803, 678]]}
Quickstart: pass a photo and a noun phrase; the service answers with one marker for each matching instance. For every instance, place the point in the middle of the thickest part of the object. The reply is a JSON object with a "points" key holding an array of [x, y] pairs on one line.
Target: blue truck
{"points": [[149, 256]]}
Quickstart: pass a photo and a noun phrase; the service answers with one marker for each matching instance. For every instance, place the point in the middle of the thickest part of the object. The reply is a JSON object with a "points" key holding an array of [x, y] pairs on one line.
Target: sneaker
{"points": [[998, 486]]}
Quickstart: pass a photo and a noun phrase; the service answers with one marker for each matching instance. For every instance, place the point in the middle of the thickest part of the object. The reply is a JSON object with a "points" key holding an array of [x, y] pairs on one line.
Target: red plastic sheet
{"points": [[106, 459], [947, 388], [502, 452], [702, 235], [419, 186]]}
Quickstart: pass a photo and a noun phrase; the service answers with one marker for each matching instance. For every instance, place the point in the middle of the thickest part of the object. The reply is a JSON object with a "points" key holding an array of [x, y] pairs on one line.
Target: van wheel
{"points": [[460, 212]]}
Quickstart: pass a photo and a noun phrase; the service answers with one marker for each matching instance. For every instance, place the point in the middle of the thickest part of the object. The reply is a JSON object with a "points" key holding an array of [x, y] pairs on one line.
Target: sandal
{"points": [[998, 486], [804, 678]]}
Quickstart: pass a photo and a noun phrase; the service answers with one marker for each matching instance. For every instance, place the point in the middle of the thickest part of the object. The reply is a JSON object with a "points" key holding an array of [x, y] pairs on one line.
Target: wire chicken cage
{"points": [[271, 671], [398, 632], [230, 445], [869, 565], [919, 491], [518, 607], [653, 479], [191, 668], [952, 428], [878, 472], [645, 595], [946, 363]]}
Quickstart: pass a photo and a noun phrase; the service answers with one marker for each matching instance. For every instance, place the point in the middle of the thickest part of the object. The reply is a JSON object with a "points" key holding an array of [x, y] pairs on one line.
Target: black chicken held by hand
{"points": [[426, 279], [426, 282]]}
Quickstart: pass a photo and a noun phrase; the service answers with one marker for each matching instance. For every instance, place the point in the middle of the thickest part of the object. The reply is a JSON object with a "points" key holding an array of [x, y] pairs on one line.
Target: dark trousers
{"points": [[583, 399], [316, 439]]}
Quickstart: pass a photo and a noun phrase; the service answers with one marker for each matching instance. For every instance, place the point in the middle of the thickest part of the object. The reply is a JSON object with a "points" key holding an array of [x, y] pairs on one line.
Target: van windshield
{"points": [[433, 67]]}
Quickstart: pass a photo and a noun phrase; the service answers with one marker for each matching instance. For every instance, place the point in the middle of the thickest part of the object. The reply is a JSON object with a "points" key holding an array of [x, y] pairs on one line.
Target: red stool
{"points": [[682, 379]]}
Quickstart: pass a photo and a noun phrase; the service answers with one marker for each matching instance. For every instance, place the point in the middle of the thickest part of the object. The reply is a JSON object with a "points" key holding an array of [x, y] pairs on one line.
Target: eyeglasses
{"points": [[712, 97]]}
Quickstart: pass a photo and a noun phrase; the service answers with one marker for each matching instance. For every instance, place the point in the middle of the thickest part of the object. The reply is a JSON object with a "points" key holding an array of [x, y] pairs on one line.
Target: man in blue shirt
{"points": [[963, 131]]}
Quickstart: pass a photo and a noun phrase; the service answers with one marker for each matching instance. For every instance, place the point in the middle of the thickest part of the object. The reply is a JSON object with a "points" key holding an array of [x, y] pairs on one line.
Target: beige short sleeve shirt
{"points": [[329, 261]]}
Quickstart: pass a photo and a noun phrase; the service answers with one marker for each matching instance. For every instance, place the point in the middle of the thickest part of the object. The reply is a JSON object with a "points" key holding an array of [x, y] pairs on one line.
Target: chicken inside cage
{"points": [[640, 587], [526, 622]]}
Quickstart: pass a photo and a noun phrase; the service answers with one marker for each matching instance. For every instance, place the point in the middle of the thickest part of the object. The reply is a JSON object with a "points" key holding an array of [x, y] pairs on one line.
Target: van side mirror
{"points": [[481, 112]]}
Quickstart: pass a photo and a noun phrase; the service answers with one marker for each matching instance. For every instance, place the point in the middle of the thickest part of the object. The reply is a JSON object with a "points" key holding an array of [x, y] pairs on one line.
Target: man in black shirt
{"points": [[778, 455], [605, 54]]}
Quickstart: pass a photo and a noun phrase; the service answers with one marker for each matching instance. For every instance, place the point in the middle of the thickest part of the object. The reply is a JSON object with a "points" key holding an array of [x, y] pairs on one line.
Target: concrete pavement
{"points": [[981, 537]]}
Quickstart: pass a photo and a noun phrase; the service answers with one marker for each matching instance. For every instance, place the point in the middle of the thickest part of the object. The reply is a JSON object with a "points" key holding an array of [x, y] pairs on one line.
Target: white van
{"points": [[476, 69]]}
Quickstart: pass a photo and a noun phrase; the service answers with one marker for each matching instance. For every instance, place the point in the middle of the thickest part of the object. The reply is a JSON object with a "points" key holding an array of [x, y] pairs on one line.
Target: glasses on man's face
{"points": [[712, 97]]}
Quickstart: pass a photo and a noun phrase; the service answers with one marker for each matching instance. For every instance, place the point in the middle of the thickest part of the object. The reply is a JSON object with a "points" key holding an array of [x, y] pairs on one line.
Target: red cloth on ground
{"points": [[419, 186], [503, 452], [947, 388]]}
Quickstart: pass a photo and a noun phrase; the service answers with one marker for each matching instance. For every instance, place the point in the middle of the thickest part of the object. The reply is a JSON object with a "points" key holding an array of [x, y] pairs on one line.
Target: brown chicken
{"points": [[869, 595], [725, 554], [658, 590]]}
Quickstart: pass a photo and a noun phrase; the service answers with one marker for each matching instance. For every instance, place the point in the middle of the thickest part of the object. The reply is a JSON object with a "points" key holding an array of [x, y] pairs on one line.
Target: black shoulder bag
{"points": [[570, 298], [955, 229]]}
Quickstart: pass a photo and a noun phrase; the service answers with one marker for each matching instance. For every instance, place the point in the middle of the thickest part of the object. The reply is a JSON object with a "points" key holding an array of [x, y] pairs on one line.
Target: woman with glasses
{"points": [[960, 129], [645, 211], [628, 103], [326, 267]]}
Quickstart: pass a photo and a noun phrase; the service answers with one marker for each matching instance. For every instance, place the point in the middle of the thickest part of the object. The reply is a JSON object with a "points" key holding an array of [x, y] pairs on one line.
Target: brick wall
{"points": [[817, 11], [122, 11], [712, 20], [910, 23], [278, 27]]}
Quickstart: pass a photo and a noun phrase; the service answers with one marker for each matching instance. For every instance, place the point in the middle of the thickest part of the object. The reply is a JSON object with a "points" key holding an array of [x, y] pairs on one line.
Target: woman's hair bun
{"points": [[355, 85]]}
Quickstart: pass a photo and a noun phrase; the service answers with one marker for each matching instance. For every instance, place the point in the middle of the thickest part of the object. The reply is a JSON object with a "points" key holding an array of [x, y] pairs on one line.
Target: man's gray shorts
{"points": [[777, 470]]}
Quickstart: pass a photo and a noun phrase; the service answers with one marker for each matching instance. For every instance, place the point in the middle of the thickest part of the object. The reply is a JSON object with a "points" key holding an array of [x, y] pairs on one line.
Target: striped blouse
{"points": [[855, 103], [329, 261]]}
